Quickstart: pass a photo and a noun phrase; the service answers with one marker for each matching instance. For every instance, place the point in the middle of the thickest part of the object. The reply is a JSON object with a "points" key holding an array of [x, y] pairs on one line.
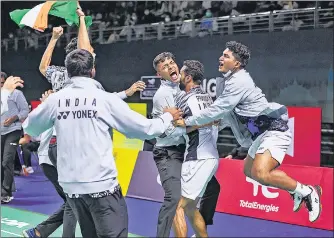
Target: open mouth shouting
{"points": [[174, 76], [221, 65]]}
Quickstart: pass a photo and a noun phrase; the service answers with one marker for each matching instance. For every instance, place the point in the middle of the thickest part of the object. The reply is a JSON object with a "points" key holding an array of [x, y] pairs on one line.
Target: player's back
{"points": [[201, 143], [83, 126]]}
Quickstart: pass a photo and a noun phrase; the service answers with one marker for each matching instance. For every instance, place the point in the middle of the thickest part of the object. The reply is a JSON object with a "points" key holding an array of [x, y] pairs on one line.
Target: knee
{"points": [[260, 175], [190, 209]]}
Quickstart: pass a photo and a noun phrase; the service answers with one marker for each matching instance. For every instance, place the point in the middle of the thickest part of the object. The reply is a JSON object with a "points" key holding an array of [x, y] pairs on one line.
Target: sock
{"points": [[302, 189]]}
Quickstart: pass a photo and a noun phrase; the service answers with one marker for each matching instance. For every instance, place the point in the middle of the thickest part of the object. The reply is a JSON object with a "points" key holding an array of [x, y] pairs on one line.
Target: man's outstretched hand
{"points": [[176, 113], [137, 86]]}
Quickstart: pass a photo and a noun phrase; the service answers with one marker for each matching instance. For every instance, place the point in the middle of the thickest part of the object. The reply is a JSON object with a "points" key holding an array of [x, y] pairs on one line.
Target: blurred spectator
{"points": [[294, 25]]}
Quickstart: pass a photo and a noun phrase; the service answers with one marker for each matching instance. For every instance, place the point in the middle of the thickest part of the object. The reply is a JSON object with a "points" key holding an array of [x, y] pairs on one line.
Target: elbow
{"points": [[42, 69]]}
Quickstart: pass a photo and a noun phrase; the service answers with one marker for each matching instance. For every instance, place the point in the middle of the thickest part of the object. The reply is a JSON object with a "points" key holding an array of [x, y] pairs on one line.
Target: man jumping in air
{"points": [[256, 123]]}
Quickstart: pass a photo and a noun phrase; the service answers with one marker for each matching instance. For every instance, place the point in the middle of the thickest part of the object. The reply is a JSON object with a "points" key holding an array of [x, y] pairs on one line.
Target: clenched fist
{"points": [[57, 32]]}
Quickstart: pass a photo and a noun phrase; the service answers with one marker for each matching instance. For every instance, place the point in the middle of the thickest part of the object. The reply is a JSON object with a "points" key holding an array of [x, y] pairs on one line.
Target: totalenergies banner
{"points": [[243, 196]]}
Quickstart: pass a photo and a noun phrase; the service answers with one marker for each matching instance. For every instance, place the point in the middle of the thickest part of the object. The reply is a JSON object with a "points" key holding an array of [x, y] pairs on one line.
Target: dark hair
{"points": [[195, 69], [3, 75], [79, 63], [161, 58], [73, 45], [240, 52]]}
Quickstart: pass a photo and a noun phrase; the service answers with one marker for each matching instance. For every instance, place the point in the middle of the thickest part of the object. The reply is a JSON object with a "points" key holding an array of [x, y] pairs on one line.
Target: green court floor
{"points": [[14, 221]]}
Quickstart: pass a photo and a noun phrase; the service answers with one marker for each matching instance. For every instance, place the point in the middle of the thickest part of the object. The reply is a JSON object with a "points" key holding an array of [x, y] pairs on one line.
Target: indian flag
{"points": [[37, 17]]}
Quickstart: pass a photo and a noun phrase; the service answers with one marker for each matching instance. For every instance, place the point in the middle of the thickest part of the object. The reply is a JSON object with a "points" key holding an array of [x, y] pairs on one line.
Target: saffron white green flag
{"points": [[37, 17]]}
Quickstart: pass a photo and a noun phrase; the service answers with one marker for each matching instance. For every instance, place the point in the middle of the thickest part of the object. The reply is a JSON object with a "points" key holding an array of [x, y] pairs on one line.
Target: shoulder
{"points": [[241, 79], [16, 93]]}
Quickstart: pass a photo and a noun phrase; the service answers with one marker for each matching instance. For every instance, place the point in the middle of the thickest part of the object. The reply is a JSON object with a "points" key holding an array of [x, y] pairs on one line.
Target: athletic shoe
{"points": [[297, 201], [313, 203], [6, 199], [30, 233]]}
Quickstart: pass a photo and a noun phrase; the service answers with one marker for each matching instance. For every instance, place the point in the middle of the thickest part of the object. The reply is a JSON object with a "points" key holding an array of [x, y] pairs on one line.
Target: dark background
{"points": [[292, 68]]}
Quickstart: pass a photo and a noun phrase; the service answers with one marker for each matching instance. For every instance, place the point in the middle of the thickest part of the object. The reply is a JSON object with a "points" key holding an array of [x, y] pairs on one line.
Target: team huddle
{"points": [[185, 124]]}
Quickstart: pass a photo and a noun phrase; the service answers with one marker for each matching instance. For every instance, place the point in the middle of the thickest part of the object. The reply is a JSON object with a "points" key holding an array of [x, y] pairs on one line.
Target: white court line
{"points": [[11, 233]]}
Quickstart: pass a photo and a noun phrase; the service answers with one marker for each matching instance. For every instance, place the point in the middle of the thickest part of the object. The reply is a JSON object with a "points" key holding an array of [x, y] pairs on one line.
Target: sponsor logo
{"points": [[15, 223], [264, 189], [258, 206], [265, 192]]}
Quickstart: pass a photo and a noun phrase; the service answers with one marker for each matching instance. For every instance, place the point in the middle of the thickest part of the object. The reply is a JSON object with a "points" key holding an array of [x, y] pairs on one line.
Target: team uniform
{"points": [[255, 123], [47, 153], [201, 156]]}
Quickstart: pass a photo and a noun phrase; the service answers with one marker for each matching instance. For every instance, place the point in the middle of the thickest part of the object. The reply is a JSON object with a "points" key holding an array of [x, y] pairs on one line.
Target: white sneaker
{"points": [[193, 235], [313, 203], [6, 199], [297, 201]]}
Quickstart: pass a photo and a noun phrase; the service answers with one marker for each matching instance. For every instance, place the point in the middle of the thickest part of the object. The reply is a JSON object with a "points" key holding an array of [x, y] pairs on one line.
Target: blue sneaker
{"points": [[30, 233]]}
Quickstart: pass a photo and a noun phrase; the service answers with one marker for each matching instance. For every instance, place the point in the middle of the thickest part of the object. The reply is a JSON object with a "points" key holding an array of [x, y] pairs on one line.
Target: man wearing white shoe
{"points": [[256, 123]]}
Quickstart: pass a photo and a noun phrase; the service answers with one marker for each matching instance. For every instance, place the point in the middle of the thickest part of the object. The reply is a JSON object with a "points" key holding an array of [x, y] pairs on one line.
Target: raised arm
{"points": [[83, 38], [46, 59]]}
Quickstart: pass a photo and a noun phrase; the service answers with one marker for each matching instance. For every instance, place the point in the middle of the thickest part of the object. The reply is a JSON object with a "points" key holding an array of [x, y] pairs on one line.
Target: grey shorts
{"points": [[276, 142], [195, 176]]}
